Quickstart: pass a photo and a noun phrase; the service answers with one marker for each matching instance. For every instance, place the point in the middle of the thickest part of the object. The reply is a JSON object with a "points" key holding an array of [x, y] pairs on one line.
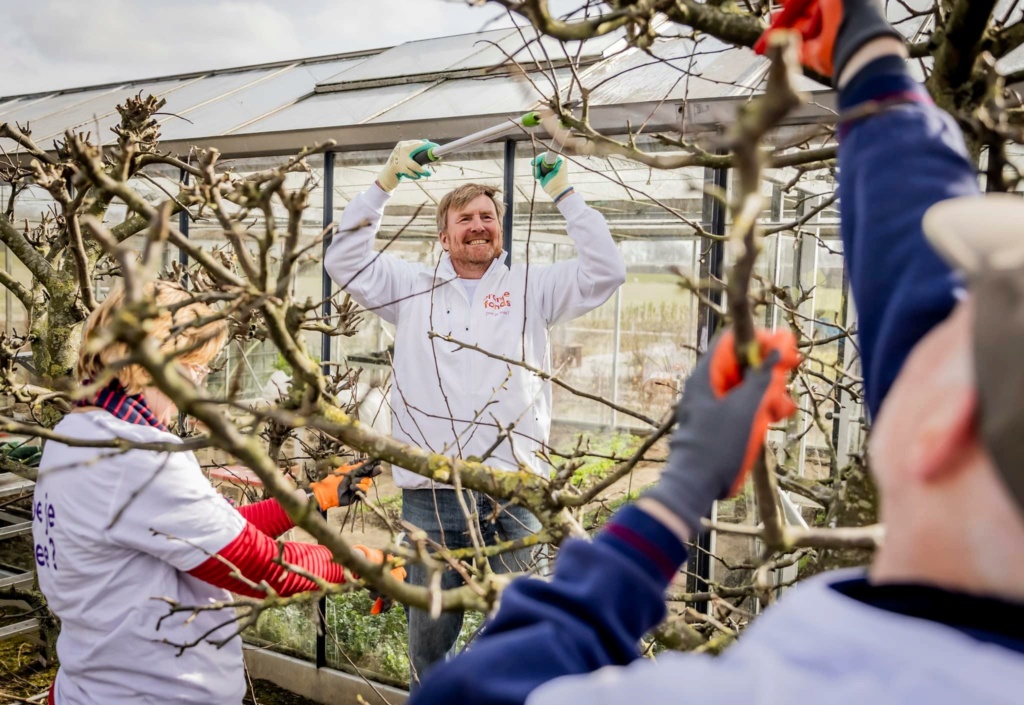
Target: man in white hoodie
{"points": [[453, 399]]}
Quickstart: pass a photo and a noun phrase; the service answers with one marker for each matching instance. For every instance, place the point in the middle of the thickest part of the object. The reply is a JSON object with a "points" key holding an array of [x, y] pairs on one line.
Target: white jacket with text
{"points": [[451, 400]]}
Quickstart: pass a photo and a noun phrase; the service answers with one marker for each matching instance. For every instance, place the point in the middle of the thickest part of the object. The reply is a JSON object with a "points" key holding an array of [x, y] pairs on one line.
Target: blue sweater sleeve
{"points": [[603, 597], [893, 167]]}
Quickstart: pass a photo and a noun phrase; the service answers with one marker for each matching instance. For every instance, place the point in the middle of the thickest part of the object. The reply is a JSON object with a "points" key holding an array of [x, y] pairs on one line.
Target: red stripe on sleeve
{"points": [[268, 516], [253, 553]]}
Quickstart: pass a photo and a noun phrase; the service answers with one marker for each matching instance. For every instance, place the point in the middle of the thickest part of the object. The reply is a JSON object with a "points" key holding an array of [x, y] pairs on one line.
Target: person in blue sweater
{"points": [[937, 617]]}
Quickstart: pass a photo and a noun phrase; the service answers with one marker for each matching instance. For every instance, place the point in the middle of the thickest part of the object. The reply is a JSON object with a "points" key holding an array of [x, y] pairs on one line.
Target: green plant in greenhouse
{"points": [[595, 467], [377, 643]]}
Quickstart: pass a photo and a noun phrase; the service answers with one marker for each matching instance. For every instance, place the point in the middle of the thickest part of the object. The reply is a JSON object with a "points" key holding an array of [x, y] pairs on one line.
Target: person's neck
{"points": [[160, 404], [470, 270], [967, 537]]}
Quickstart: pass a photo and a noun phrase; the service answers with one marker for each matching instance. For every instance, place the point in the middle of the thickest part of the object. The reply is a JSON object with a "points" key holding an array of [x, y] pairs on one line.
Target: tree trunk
{"points": [[57, 336]]}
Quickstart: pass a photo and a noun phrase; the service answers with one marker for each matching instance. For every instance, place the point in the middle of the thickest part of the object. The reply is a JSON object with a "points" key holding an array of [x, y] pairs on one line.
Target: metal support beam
{"points": [[708, 322], [325, 358], [844, 407], [17, 581], [510, 185], [183, 223], [616, 344], [322, 685], [327, 284], [183, 261], [14, 525]]}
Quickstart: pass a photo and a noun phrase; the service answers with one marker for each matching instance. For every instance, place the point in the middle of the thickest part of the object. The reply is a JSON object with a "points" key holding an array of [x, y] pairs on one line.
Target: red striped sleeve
{"points": [[268, 516], [253, 553]]}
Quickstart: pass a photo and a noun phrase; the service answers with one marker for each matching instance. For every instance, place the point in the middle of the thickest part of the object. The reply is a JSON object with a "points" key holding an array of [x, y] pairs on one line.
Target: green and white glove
{"points": [[401, 164], [555, 182]]}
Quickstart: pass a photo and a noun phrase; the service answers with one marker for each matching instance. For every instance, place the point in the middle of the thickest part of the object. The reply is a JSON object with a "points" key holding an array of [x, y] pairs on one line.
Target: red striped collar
{"points": [[128, 407]]}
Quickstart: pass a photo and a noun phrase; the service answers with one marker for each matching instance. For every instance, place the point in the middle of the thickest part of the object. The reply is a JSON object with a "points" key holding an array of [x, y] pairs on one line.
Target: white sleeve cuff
{"points": [[572, 206], [376, 197]]}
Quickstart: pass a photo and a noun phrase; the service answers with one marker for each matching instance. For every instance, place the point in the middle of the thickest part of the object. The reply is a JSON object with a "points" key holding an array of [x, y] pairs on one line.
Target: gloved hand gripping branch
{"points": [[381, 603], [832, 31], [723, 417], [339, 489]]}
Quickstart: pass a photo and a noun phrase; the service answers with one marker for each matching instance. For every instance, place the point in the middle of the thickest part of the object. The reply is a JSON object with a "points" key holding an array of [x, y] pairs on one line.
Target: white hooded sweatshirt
{"points": [[451, 400]]}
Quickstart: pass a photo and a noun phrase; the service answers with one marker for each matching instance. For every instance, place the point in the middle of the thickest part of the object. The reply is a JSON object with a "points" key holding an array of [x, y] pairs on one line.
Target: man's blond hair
{"points": [[462, 196], [175, 329]]}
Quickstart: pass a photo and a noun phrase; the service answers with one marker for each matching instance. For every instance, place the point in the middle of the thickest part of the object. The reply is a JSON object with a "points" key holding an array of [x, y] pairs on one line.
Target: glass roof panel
{"points": [[425, 56], [83, 116], [525, 49], [322, 70], [100, 113], [243, 105], [479, 96], [709, 69], [12, 104], [181, 95], [36, 111], [334, 109], [1013, 61], [7, 105], [210, 87]]}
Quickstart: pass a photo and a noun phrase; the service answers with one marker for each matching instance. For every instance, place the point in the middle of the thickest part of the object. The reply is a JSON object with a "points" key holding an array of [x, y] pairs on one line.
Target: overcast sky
{"points": [[50, 44]]}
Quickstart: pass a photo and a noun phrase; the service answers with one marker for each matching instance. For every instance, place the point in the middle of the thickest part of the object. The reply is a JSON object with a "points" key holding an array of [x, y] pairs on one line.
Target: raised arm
{"points": [[893, 167], [375, 280], [898, 156], [570, 289]]}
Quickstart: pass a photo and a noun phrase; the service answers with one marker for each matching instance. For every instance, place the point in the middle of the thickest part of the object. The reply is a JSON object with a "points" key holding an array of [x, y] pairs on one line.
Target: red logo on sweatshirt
{"points": [[493, 304]]}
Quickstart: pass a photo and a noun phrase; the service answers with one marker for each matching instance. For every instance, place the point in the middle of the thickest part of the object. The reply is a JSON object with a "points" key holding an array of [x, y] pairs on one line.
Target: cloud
{"points": [[52, 44]]}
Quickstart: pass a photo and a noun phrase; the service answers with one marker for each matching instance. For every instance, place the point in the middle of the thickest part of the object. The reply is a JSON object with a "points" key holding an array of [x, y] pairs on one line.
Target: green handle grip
{"points": [[424, 156], [530, 119]]}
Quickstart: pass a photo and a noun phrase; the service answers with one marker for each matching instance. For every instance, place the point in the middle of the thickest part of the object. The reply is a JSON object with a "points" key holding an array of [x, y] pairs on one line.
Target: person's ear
{"points": [[443, 237], [946, 434]]}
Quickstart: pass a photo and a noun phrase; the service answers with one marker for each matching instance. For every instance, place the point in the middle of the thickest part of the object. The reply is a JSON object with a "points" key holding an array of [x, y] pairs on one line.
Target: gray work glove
{"points": [[722, 419]]}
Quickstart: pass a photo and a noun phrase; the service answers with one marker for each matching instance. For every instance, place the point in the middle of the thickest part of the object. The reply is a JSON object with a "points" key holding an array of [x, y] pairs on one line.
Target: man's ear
{"points": [[443, 237], [947, 433]]}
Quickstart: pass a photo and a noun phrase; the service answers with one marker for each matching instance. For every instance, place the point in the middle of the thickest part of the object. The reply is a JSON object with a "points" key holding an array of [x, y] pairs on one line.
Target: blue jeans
{"points": [[438, 513]]}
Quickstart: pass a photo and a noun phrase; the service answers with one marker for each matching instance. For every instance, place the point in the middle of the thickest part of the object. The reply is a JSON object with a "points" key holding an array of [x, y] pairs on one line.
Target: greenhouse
{"points": [[255, 115], [536, 363], [637, 348]]}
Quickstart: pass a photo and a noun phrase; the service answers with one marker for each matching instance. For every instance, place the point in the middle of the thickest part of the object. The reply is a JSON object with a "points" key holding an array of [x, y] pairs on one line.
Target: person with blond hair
{"points": [[121, 532], [451, 399]]}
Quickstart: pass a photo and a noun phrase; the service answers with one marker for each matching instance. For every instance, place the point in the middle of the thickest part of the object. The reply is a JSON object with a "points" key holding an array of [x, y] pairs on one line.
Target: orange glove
{"points": [[832, 30], [817, 26], [722, 419], [339, 488], [380, 602], [776, 404]]}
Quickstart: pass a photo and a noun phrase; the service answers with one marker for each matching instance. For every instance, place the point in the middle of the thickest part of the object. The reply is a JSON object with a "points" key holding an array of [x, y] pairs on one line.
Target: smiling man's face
{"points": [[472, 236]]}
